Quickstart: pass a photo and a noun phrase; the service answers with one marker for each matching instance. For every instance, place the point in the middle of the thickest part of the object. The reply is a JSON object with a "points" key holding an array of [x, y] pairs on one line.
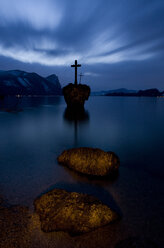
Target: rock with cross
{"points": [[76, 94]]}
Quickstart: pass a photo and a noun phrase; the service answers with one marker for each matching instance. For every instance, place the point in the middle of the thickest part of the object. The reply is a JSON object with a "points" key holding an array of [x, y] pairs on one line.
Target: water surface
{"points": [[34, 131]]}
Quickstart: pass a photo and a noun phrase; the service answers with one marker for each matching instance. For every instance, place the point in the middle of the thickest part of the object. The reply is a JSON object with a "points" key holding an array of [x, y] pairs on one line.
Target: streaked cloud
{"points": [[56, 32], [39, 14], [92, 74]]}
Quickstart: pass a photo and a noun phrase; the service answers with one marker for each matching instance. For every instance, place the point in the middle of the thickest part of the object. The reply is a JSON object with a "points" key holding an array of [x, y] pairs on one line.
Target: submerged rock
{"points": [[72, 212], [90, 161], [136, 242], [76, 95]]}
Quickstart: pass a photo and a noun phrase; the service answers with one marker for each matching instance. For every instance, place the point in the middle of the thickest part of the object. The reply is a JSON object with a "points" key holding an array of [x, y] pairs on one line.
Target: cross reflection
{"points": [[76, 118]]}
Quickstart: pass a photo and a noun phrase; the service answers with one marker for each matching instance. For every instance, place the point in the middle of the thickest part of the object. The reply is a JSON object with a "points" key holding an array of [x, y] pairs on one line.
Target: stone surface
{"points": [[136, 242], [72, 212], [90, 161], [14, 224], [76, 95]]}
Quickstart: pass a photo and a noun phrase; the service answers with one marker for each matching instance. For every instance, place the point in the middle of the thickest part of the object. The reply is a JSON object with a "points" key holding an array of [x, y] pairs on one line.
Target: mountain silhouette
{"points": [[16, 82]]}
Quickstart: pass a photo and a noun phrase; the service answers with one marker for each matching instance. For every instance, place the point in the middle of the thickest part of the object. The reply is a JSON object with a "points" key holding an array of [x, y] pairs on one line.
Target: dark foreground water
{"points": [[34, 131]]}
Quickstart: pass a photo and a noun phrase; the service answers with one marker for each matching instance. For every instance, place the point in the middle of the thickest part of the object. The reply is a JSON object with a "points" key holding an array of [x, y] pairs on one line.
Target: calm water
{"points": [[34, 131]]}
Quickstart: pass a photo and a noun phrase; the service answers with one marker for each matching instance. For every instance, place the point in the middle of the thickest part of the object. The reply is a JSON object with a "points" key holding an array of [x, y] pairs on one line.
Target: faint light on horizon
{"points": [[93, 74], [40, 57], [102, 51]]}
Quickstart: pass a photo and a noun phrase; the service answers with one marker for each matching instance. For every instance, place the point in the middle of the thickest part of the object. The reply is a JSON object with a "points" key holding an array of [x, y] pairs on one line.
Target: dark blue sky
{"points": [[120, 43]]}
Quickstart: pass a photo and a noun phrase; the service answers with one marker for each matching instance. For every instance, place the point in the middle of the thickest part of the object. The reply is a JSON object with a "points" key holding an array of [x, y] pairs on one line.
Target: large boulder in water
{"points": [[72, 212], [90, 161], [76, 95]]}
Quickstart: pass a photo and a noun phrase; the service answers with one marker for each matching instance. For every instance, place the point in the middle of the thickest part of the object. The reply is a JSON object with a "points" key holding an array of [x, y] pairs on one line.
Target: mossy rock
{"points": [[72, 212], [90, 161], [76, 95]]}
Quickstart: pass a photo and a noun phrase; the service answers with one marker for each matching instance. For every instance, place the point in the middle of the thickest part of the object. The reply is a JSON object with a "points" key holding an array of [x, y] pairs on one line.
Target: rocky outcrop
{"points": [[90, 161], [136, 242], [55, 81], [76, 95], [72, 212], [18, 82]]}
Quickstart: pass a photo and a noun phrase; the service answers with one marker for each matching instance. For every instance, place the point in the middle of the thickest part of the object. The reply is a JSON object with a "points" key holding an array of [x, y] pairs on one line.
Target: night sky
{"points": [[120, 43]]}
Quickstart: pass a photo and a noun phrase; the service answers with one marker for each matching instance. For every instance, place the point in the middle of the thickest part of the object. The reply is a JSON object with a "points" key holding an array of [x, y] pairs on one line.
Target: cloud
{"points": [[39, 14], [96, 32], [93, 74]]}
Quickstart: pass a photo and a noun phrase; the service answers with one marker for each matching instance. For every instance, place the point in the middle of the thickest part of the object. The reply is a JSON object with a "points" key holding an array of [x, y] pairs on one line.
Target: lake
{"points": [[35, 130]]}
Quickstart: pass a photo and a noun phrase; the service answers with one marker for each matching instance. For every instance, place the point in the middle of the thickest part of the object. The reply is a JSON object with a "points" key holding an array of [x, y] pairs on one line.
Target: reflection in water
{"points": [[52, 100], [11, 104], [2, 97], [14, 104], [76, 117], [81, 115], [132, 127]]}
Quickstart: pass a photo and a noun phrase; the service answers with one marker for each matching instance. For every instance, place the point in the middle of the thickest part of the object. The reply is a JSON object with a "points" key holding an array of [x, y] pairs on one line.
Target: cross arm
{"points": [[75, 65]]}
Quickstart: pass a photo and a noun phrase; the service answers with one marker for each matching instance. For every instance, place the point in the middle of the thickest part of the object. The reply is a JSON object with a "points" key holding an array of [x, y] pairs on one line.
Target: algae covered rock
{"points": [[90, 161], [76, 95], [72, 212]]}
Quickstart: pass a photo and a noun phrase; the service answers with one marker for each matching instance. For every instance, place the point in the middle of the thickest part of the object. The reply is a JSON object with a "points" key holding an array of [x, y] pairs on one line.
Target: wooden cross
{"points": [[75, 65]]}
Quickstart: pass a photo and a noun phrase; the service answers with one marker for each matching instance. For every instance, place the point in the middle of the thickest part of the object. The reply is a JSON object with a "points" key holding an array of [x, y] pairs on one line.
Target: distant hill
{"points": [[148, 92], [117, 91], [126, 92], [23, 83]]}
